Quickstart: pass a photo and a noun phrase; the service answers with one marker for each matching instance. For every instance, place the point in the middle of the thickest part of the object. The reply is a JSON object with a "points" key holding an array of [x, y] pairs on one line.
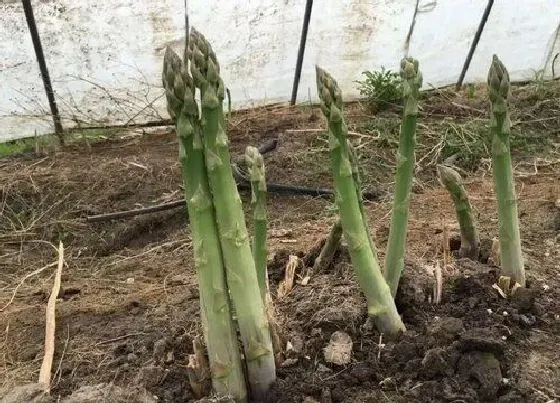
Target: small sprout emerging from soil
{"points": [[470, 240], [494, 258], [511, 257], [199, 370]]}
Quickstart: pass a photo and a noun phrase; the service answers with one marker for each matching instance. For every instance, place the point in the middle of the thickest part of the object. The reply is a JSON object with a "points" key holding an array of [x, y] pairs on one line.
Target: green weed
{"points": [[380, 89]]}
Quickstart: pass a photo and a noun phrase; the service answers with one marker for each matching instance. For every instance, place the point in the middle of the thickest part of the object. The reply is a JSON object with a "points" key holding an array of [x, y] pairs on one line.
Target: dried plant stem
{"points": [[50, 325], [329, 249]]}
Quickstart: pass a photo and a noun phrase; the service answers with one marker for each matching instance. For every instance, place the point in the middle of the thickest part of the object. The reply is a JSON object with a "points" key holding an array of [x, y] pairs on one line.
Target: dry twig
{"points": [[33, 273], [50, 325]]}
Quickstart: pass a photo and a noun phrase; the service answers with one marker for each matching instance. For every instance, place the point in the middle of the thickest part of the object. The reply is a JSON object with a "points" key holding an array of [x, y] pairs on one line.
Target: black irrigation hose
{"points": [[276, 188], [242, 184]]}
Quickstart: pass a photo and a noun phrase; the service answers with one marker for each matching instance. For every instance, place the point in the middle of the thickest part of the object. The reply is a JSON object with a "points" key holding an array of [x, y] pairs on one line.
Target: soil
{"points": [[128, 310]]}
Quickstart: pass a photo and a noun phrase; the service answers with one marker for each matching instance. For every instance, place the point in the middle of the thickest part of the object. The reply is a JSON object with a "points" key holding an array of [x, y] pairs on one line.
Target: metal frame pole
{"points": [[30, 18], [299, 63]]}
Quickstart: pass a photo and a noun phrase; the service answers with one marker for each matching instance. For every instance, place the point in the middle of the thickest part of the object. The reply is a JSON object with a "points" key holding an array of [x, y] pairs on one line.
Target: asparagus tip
{"points": [[255, 164], [498, 81], [448, 174], [412, 82], [329, 94]]}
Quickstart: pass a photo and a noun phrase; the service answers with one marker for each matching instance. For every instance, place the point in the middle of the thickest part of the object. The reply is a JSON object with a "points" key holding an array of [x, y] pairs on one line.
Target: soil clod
{"points": [[484, 368], [445, 329], [481, 339]]}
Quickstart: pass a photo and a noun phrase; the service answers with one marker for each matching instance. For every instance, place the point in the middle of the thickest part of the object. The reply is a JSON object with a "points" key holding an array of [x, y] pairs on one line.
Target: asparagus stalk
{"points": [[220, 334], [257, 177], [255, 165], [394, 257], [240, 266], [500, 128], [470, 240], [358, 184], [381, 305]]}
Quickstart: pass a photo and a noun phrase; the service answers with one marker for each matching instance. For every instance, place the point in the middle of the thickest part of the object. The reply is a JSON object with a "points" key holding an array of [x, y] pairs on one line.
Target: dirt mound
{"points": [[459, 350]]}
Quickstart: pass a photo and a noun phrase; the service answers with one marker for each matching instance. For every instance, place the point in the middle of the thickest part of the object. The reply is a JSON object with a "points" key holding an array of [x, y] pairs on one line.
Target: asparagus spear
{"points": [[381, 305], [257, 177], [500, 128], [470, 241], [255, 165], [220, 335], [240, 266], [358, 184], [394, 257]]}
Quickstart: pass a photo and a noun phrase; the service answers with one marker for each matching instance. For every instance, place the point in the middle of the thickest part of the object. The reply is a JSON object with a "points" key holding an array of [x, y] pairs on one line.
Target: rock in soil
{"points": [[296, 345], [159, 350], [524, 299], [481, 339], [445, 329], [150, 376], [363, 371], [339, 349], [485, 369], [215, 400], [108, 393], [438, 362], [30, 393], [527, 320], [326, 396]]}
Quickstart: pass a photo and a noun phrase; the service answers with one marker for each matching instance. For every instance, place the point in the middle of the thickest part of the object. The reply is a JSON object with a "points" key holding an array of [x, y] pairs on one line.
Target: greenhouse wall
{"points": [[105, 57]]}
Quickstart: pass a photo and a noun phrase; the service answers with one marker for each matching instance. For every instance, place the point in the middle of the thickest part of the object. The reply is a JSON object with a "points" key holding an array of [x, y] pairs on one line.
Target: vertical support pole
{"points": [[474, 43], [30, 18], [301, 51]]}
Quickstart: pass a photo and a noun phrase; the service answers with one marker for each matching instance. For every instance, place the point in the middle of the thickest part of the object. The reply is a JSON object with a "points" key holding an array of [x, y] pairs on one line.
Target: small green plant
{"points": [[381, 89], [471, 90], [16, 147], [540, 86]]}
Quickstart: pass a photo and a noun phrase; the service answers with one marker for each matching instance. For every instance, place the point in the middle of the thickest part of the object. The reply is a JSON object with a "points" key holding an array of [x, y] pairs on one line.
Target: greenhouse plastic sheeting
{"points": [[105, 57]]}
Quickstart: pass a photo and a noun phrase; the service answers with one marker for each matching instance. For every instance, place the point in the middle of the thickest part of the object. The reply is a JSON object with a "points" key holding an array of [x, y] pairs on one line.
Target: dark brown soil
{"points": [[128, 309]]}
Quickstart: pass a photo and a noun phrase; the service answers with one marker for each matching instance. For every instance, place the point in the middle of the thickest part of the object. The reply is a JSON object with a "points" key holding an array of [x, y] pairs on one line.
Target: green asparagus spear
{"points": [[255, 165], [234, 239], [220, 335], [358, 183], [470, 241], [394, 257], [511, 257], [381, 305]]}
